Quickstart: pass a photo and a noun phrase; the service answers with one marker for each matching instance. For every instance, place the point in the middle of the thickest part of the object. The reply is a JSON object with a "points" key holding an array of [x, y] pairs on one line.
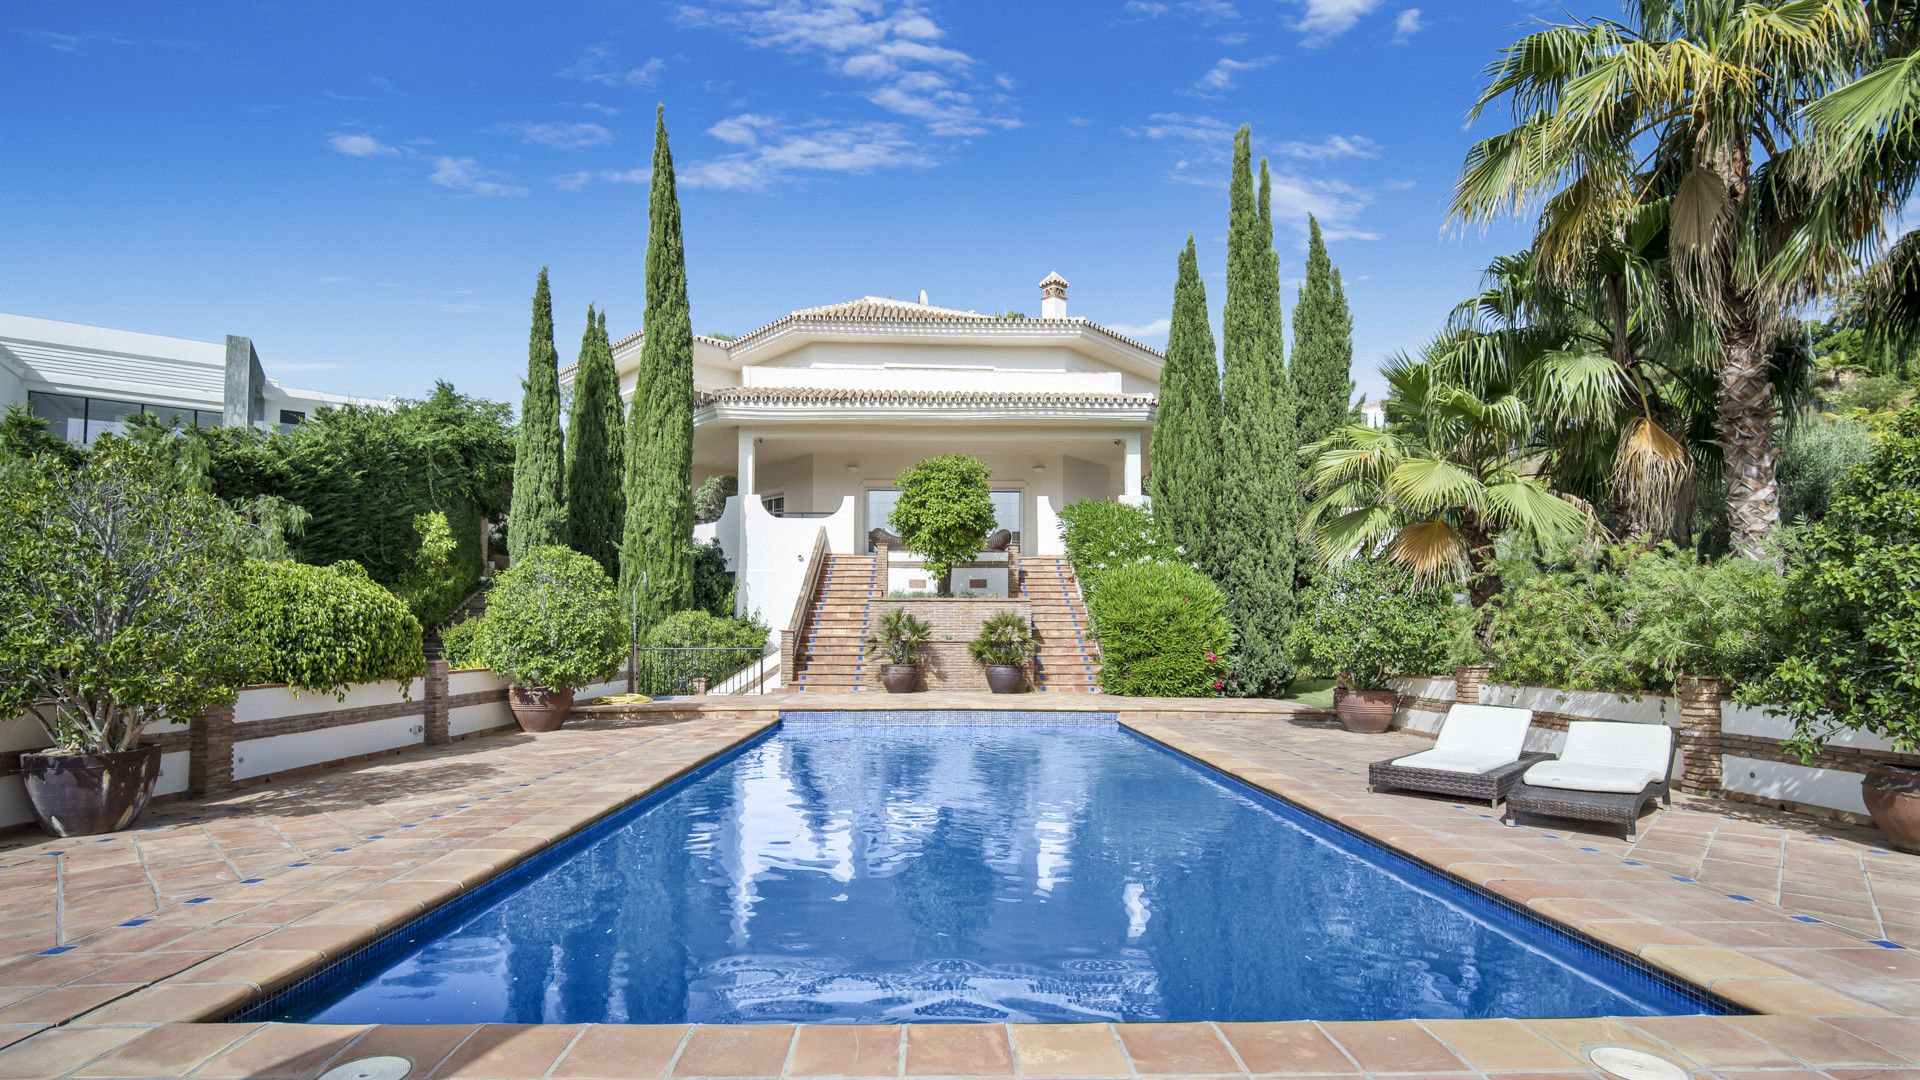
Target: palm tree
{"points": [[1453, 469], [1700, 102]]}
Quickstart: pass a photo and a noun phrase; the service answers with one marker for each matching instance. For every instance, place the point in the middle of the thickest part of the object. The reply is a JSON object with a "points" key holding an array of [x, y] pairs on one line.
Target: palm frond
{"points": [[1433, 550]]}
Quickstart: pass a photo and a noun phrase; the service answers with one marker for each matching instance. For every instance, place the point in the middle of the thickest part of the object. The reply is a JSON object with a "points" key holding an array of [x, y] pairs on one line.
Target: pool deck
{"points": [[113, 950]]}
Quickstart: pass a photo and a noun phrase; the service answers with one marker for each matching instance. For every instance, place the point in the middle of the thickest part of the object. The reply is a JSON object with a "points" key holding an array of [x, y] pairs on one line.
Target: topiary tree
{"points": [[1162, 629], [1854, 609], [1367, 622], [324, 628], [944, 512], [710, 498], [118, 598], [552, 621]]}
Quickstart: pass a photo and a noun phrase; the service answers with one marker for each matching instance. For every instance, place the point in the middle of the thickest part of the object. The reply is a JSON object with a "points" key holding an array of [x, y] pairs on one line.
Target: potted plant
{"points": [[552, 625], [1367, 623], [902, 639], [944, 512], [1854, 615], [1004, 645], [118, 599]]}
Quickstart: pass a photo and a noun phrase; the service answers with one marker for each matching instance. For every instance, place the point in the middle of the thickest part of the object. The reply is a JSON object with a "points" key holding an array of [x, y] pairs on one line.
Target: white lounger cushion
{"points": [[1605, 756], [1475, 739]]}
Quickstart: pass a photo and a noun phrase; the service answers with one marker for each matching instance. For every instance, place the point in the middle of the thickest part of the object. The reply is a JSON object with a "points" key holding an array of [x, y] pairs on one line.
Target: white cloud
{"points": [[562, 136], [596, 107], [1219, 78], [1332, 147], [1155, 329], [466, 174], [361, 146], [767, 151], [742, 130], [1406, 25], [1198, 9], [575, 181], [601, 65], [1205, 145], [332, 279], [1207, 130], [1327, 19]]}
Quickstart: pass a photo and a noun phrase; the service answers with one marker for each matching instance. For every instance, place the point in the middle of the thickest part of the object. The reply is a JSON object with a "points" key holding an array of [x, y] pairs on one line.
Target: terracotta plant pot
{"points": [[900, 678], [84, 794], [538, 708], [1892, 794], [1369, 712], [1006, 678]]}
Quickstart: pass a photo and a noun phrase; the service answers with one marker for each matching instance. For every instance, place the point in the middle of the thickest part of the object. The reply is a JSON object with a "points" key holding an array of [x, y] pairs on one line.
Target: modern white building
{"points": [[86, 380], [818, 411]]}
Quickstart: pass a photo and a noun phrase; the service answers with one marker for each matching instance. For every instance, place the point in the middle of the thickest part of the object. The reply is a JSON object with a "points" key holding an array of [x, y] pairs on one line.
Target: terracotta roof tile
{"points": [[838, 397]]}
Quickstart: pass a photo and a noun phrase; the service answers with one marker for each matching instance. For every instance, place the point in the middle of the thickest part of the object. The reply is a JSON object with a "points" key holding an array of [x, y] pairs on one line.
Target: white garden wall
{"points": [[24, 734]]}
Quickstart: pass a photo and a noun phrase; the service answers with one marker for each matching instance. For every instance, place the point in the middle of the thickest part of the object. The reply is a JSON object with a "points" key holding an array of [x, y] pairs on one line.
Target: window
{"points": [[83, 420], [108, 416], [1006, 510], [879, 508], [65, 416], [289, 418], [775, 504]]}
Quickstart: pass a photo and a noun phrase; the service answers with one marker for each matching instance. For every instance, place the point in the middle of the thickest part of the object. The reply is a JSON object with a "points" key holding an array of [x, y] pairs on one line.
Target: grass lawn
{"points": [[1317, 693]]}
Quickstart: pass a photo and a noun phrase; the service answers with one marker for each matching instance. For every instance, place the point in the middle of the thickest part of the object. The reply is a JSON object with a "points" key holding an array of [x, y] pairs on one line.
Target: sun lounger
{"points": [[1480, 754], [1608, 773]]}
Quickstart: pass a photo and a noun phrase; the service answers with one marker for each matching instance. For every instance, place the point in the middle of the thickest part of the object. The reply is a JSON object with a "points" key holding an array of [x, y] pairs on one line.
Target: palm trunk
{"points": [[1744, 420]]}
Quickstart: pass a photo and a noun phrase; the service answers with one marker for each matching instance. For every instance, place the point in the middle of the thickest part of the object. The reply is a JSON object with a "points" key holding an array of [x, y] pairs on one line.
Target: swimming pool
{"points": [[1043, 869]]}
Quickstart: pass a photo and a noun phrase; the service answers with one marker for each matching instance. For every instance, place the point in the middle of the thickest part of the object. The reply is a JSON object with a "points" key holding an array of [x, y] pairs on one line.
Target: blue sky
{"points": [[369, 189]]}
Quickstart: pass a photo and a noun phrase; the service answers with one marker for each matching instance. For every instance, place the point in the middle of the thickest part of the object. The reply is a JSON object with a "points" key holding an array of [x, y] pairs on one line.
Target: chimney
{"points": [[1053, 297]]}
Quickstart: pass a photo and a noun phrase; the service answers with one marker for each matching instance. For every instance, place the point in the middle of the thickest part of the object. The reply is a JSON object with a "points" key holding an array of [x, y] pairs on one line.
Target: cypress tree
{"points": [[595, 500], [537, 513], [656, 554], [1322, 344], [617, 434], [1185, 481], [1259, 506]]}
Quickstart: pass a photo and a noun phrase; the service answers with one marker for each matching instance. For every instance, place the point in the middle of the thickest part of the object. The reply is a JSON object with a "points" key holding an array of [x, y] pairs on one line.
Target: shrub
{"points": [[702, 630], [324, 628], [436, 584], [713, 587], [710, 498], [1101, 534], [1853, 608], [553, 621], [1561, 628], [1686, 616], [119, 590], [944, 512], [1004, 640], [1162, 629], [901, 638], [460, 644], [1815, 457], [1366, 622]]}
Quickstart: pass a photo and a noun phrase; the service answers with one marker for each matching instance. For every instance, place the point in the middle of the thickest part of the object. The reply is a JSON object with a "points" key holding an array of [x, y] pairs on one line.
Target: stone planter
{"points": [[1368, 712], [539, 708], [85, 794], [1006, 678], [1892, 794], [900, 678]]}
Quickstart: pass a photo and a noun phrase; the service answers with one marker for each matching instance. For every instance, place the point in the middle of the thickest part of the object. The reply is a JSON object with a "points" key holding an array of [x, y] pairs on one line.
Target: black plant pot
{"points": [[1006, 678], [900, 678], [85, 794]]}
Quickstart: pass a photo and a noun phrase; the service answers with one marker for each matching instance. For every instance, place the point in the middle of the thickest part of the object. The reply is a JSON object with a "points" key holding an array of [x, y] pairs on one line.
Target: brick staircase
{"points": [[1068, 658], [831, 656]]}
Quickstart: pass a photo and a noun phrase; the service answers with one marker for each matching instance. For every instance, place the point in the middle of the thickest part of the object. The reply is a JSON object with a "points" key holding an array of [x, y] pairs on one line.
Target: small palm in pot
{"points": [[901, 641]]}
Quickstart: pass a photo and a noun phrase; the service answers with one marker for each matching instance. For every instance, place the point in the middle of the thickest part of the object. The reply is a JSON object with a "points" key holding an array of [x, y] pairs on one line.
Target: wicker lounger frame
{"points": [[1492, 786], [1622, 808]]}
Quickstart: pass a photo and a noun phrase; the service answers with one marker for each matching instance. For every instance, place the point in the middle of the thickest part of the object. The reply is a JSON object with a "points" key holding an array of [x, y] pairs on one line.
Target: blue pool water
{"points": [[900, 872]]}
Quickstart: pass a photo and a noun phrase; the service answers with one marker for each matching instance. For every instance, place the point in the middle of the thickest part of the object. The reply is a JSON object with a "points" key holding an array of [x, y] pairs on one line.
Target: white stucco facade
{"points": [[818, 411], [86, 379]]}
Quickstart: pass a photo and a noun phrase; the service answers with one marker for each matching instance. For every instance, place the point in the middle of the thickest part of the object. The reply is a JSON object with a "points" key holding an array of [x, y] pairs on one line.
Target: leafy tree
{"points": [[437, 583], [118, 598], [596, 500], [1322, 344], [324, 628], [713, 585], [1186, 477], [710, 498], [1366, 622], [1852, 607], [538, 516], [1816, 456], [656, 565], [1259, 506], [944, 512], [1450, 472], [25, 435], [1699, 107], [553, 621]]}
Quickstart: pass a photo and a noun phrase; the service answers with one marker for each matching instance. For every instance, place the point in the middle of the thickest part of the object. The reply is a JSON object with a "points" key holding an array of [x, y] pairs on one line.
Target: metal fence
{"points": [[686, 672]]}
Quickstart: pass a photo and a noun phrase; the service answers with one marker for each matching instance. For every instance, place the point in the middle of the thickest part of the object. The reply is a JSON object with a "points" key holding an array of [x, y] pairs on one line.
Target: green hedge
{"points": [[1365, 622], [324, 628], [553, 620], [703, 630], [1162, 629], [1101, 535], [460, 644]]}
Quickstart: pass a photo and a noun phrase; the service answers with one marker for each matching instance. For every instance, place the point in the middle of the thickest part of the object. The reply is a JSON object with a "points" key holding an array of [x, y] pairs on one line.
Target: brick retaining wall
{"points": [[955, 623]]}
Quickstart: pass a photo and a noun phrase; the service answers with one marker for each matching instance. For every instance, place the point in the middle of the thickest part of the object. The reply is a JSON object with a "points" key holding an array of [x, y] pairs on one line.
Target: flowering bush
{"points": [[1162, 629], [1101, 535]]}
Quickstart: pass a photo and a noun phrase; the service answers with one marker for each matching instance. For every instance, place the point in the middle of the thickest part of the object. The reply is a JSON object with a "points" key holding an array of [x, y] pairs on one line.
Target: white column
{"points": [[1130, 492], [743, 473], [744, 465]]}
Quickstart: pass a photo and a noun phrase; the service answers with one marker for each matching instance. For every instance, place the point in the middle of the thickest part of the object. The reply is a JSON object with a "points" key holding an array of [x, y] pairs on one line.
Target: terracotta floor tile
{"points": [[1392, 1046], [173, 1050], [1898, 1034], [507, 1050], [60, 1004], [1815, 1042], [426, 1045], [863, 1050], [1711, 1042], [1297, 1046], [958, 1050], [1067, 1050], [609, 1051], [742, 1050], [60, 1051], [291, 1051], [1499, 1045], [1176, 1049]]}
